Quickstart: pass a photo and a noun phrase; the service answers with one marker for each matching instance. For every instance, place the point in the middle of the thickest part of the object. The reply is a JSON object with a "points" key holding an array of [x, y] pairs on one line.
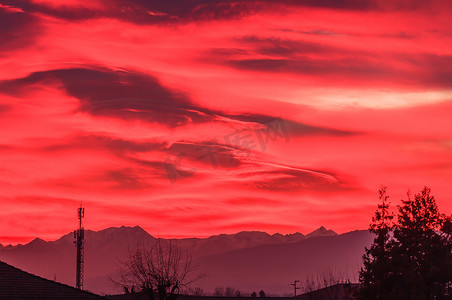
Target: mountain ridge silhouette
{"points": [[245, 251]]}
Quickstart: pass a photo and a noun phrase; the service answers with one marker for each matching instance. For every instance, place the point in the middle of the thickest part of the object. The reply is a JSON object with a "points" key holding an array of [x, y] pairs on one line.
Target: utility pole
{"points": [[79, 239], [295, 288]]}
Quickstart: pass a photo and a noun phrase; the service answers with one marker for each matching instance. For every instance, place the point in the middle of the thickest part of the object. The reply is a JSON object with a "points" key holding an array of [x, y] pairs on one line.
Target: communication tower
{"points": [[79, 239]]}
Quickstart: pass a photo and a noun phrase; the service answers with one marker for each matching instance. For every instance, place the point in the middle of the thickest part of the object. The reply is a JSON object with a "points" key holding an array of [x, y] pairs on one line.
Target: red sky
{"points": [[193, 118]]}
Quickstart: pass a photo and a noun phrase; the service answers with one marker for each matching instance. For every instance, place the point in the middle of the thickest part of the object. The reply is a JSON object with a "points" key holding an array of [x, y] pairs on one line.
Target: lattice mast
{"points": [[79, 236]]}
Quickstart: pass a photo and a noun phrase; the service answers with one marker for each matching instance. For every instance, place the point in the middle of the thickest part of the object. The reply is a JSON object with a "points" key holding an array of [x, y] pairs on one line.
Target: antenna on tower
{"points": [[79, 239]]}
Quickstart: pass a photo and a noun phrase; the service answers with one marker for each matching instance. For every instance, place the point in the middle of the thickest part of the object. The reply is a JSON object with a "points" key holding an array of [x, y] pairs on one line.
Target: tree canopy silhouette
{"points": [[410, 258]]}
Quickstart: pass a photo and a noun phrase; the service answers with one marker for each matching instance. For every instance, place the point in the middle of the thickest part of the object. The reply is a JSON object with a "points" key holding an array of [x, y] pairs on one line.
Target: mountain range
{"points": [[248, 261]]}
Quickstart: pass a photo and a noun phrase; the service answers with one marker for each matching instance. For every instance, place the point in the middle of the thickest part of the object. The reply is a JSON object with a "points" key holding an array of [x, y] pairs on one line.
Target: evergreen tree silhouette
{"points": [[413, 258], [375, 276]]}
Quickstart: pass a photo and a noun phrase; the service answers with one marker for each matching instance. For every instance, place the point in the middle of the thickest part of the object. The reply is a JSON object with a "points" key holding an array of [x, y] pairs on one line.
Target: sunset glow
{"points": [[220, 117]]}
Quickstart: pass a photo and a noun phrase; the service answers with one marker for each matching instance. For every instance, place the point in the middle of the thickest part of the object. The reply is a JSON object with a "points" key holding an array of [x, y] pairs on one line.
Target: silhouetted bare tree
{"points": [[229, 292], [226, 292], [324, 280], [197, 291], [219, 292], [162, 268]]}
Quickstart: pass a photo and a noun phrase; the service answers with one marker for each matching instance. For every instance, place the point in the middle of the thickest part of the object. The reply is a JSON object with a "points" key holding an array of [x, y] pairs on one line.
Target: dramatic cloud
{"points": [[192, 118], [318, 59], [155, 11], [13, 22], [117, 94], [289, 180]]}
